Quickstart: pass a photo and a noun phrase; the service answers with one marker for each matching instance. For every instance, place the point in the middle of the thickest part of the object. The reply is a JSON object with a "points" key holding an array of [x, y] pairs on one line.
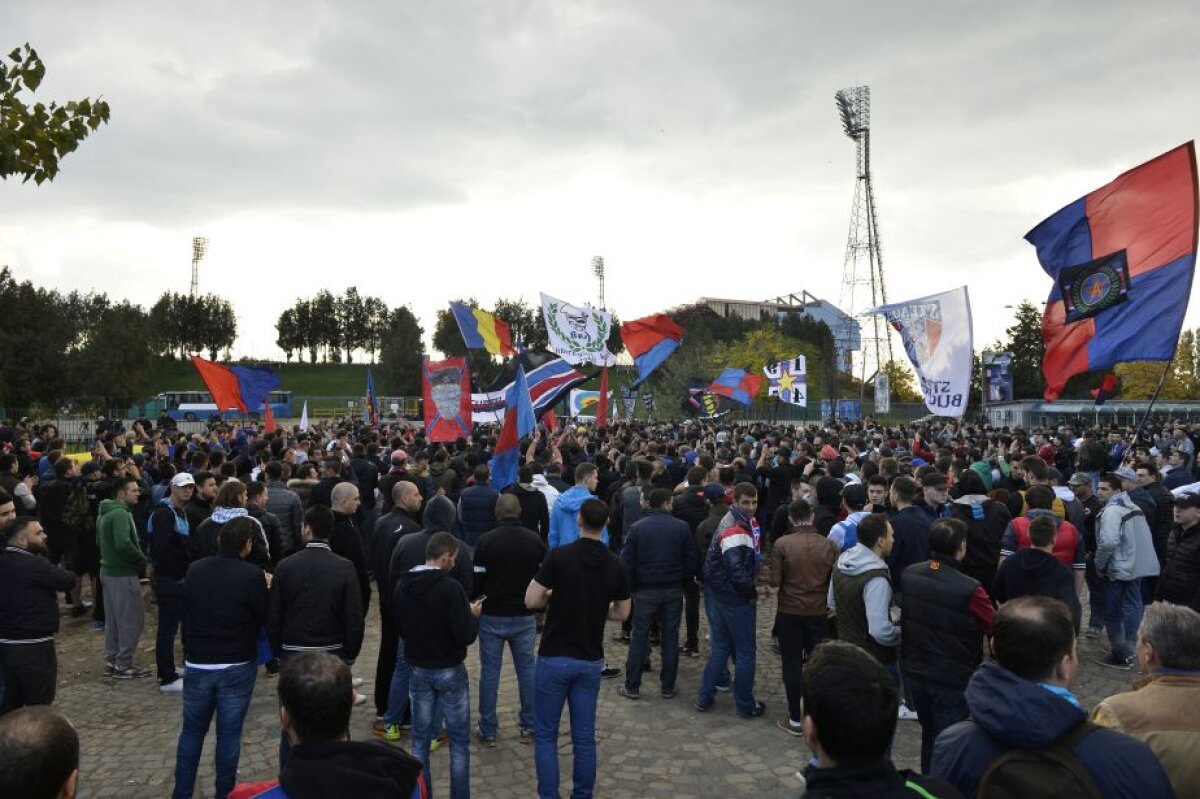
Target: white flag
{"points": [[936, 332], [304, 417], [577, 334], [788, 380]]}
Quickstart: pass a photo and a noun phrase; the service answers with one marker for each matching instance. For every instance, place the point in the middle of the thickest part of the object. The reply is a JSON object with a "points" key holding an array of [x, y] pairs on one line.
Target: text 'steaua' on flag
{"points": [[578, 334], [1122, 259], [936, 331]]}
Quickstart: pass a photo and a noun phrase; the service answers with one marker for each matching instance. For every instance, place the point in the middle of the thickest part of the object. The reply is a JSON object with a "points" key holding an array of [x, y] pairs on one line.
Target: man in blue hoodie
{"points": [[1023, 701], [564, 525]]}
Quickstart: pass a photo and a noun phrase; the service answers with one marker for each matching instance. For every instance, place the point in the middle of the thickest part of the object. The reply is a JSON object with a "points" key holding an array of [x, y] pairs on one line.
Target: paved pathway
{"points": [[648, 748]]}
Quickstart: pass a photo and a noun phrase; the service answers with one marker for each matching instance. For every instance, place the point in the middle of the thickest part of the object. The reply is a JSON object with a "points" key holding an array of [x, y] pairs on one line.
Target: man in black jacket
{"points": [[691, 507], [438, 623], [200, 506], [345, 540], [401, 520], [1035, 571], [315, 601], [1179, 582], [226, 605], [409, 552], [170, 554], [661, 555], [257, 497], [535, 513], [506, 559], [28, 615]]}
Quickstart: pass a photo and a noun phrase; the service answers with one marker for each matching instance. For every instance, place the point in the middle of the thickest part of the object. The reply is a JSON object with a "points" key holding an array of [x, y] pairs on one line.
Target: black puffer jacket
{"points": [[1179, 581]]}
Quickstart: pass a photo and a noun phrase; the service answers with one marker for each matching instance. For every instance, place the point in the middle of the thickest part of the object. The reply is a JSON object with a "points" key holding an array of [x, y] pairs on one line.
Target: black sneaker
{"points": [[628, 694], [609, 672], [759, 709], [1114, 662], [486, 740], [701, 706], [669, 693]]}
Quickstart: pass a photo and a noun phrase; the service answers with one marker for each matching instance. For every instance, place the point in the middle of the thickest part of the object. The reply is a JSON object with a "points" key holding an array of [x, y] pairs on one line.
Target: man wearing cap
{"points": [[1124, 556], [935, 496], [1081, 486], [1179, 582], [170, 553]]}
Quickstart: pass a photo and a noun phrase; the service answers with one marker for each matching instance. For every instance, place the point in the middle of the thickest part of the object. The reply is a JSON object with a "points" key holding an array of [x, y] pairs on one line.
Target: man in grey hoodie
{"points": [[1124, 555], [861, 593]]}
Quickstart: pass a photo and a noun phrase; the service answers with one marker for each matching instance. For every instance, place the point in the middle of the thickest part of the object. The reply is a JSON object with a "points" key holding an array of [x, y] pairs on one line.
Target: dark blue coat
{"points": [[477, 511], [659, 551], [1009, 712]]}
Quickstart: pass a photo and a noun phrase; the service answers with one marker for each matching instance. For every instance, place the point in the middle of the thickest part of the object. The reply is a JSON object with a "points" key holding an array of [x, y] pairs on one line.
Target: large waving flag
{"points": [[650, 341], [737, 385], [446, 389], [577, 333], [1122, 259], [242, 388], [548, 378], [519, 422], [482, 330], [936, 331]]}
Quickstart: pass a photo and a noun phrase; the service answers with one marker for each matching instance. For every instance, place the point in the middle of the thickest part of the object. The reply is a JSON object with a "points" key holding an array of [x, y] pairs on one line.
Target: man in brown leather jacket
{"points": [[801, 564]]}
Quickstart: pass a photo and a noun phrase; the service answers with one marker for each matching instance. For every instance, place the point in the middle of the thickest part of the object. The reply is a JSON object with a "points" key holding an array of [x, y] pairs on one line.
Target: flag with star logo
{"points": [[788, 380]]}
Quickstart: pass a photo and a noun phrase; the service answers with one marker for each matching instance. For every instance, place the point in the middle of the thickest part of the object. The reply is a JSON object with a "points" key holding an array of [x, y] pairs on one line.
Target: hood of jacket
{"points": [[437, 468], [1018, 712], [222, 515], [858, 559], [439, 514], [109, 506], [348, 768], [1036, 563], [571, 499], [418, 582]]}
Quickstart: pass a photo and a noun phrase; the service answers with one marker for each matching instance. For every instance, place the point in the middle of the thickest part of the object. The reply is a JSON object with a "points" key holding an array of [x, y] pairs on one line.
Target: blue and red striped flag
{"points": [[241, 388], [518, 423], [650, 341]]}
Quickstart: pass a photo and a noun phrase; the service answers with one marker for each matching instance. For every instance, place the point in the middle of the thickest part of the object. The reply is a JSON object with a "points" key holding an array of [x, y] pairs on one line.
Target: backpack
{"points": [[77, 511], [1053, 771]]}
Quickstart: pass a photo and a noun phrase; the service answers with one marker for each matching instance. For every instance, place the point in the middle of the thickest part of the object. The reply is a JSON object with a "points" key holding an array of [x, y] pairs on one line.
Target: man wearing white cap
{"points": [[170, 553]]}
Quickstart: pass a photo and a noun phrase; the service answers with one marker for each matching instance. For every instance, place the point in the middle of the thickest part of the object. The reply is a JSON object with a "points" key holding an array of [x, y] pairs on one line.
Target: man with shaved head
{"points": [[506, 559], [346, 540]]}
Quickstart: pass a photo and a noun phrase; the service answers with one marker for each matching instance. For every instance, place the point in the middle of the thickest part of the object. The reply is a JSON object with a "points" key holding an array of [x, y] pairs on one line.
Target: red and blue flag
{"points": [[241, 388], [1122, 259], [737, 385], [650, 341], [372, 401], [519, 422]]}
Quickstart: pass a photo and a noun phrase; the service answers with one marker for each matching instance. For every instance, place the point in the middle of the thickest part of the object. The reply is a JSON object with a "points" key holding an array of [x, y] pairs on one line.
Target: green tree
{"points": [[902, 381], [287, 333], [1028, 349], [524, 322], [34, 138], [400, 355], [117, 358], [1185, 377], [350, 312], [376, 321], [325, 332], [447, 339]]}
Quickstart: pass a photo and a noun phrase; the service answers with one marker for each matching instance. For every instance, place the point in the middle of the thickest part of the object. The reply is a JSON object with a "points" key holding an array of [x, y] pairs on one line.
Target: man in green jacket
{"points": [[121, 558]]}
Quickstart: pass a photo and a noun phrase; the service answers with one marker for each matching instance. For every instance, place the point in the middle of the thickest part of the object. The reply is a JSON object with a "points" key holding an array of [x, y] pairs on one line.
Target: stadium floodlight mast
{"points": [[199, 248], [862, 272], [598, 271]]}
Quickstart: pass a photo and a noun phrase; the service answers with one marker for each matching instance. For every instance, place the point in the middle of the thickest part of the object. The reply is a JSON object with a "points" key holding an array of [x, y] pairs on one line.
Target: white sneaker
{"points": [[172, 687], [359, 699], [904, 714], [356, 682]]}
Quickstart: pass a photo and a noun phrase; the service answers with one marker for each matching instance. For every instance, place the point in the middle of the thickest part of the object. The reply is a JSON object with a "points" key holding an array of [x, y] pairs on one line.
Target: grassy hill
{"points": [[303, 380]]}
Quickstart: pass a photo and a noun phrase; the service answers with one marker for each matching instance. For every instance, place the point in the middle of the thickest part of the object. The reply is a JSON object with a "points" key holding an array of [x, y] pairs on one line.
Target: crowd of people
{"points": [[938, 574]]}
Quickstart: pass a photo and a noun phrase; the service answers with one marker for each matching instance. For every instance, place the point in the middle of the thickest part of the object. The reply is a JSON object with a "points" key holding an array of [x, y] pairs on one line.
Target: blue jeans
{"points": [[171, 619], [227, 692], [520, 632], [438, 693], [710, 613], [398, 697], [575, 683], [1124, 615], [665, 604], [937, 706], [732, 630]]}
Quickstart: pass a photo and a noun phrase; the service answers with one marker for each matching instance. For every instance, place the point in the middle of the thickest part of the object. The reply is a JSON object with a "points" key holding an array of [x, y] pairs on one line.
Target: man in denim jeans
{"points": [[226, 602], [506, 559], [585, 585], [1124, 557], [437, 624]]}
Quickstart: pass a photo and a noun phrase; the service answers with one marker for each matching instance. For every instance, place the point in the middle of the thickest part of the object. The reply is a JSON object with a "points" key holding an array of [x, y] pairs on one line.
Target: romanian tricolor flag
{"points": [[482, 330], [650, 341], [1122, 259]]}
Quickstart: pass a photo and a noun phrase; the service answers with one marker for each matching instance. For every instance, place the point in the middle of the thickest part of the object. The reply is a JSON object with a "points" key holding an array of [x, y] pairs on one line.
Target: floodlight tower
{"points": [[862, 272], [598, 271], [199, 248]]}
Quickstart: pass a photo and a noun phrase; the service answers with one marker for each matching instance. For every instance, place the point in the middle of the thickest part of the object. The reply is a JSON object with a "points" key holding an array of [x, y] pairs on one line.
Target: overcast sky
{"points": [[427, 150]]}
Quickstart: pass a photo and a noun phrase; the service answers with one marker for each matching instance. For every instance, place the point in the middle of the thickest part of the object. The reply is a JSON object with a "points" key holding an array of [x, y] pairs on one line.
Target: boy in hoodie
{"points": [[564, 525], [1023, 701], [121, 559], [438, 623], [170, 553], [1036, 572], [315, 700]]}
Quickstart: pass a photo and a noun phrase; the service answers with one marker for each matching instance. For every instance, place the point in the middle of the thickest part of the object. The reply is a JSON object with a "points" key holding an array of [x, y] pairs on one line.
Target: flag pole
{"points": [[1154, 397]]}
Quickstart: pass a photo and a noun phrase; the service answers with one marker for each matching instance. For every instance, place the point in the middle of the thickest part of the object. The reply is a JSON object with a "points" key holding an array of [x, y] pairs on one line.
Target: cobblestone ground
{"points": [[649, 748]]}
